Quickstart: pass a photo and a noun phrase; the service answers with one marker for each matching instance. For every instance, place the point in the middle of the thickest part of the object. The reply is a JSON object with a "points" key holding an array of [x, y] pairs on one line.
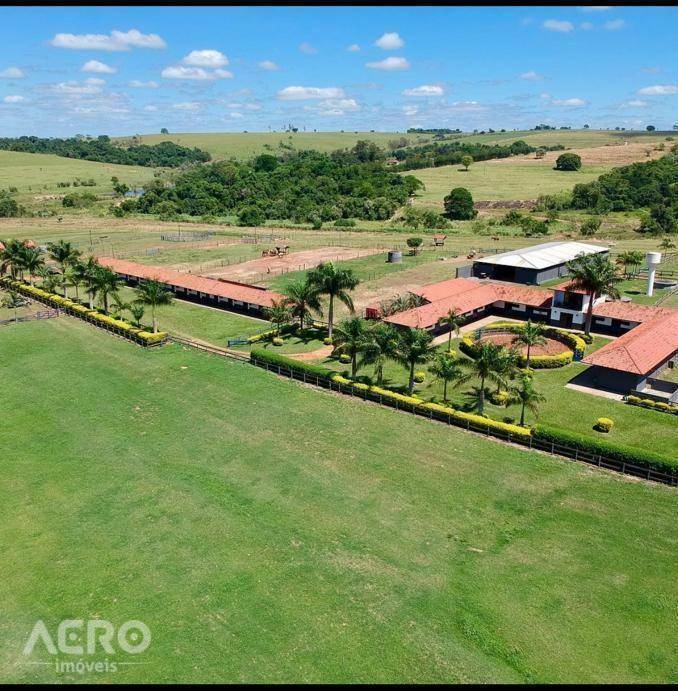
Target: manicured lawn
{"points": [[267, 531], [563, 407]]}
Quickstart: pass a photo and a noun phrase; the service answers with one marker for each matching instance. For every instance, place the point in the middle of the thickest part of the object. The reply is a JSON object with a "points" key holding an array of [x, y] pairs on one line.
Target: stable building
{"points": [[533, 265]]}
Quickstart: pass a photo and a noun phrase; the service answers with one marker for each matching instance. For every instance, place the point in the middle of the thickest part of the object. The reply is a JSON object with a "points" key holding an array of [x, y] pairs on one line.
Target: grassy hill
{"points": [[268, 532]]}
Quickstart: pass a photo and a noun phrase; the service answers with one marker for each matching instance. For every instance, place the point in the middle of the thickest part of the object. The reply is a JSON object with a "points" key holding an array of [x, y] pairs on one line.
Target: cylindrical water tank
{"points": [[395, 256], [653, 260]]}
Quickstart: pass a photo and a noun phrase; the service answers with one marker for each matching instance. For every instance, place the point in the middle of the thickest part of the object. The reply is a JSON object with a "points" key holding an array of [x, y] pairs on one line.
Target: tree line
{"points": [[103, 150]]}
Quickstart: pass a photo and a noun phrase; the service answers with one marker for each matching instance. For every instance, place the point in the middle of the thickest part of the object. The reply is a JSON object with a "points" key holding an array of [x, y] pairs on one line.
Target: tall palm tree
{"points": [[11, 257], [352, 339], [153, 294], [107, 283], [531, 334], [77, 276], [91, 272], [382, 341], [630, 258], [445, 368], [454, 321], [137, 311], [335, 283], [414, 347], [596, 275], [302, 299], [483, 366], [507, 364], [278, 314], [119, 305], [64, 254], [527, 396], [30, 261]]}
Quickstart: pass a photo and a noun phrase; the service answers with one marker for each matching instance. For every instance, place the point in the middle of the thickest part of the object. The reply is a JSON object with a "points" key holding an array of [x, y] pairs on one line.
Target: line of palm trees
{"points": [[23, 260]]}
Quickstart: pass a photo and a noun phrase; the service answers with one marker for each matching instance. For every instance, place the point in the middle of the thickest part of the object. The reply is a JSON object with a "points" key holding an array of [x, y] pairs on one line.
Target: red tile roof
{"points": [[243, 292], [643, 349], [464, 295], [567, 287], [629, 311]]}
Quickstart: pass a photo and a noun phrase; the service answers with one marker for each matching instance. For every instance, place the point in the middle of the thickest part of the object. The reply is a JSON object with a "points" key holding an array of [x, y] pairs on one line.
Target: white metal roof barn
{"points": [[534, 265]]}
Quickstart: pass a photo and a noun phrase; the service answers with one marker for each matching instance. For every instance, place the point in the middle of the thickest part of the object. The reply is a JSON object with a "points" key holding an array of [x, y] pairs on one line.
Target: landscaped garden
{"points": [[267, 531]]}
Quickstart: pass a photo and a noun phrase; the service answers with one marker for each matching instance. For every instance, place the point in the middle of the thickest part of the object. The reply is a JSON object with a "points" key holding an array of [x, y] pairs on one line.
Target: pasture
{"points": [[269, 532]]}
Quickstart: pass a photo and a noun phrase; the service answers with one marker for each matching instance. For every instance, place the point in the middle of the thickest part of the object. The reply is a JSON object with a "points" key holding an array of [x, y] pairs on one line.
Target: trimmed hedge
{"points": [[652, 405], [75, 309], [272, 358], [608, 449]]}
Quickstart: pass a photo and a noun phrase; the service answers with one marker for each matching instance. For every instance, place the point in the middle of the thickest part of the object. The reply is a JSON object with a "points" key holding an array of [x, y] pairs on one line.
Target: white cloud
{"points": [[194, 73], [569, 102], [304, 93], [269, 65], [531, 76], [307, 48], [137, 84], [150, 108], [586, 26], [74, 88], [187, 105], [99, 67], [634, 103], [614, 25], [335, 106], [12, 73], [353, 48], [558, 25], [115, 41], [467, 106], [390, 64], [205, 58], [389, 41], [95, 81], [659, 90], [410, 111], [595, 8], [13, 99], [235, 115], [425, 90]]}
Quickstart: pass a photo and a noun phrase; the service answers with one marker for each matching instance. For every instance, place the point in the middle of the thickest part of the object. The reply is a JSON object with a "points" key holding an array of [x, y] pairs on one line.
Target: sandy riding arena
{"points": [[259, 269]]}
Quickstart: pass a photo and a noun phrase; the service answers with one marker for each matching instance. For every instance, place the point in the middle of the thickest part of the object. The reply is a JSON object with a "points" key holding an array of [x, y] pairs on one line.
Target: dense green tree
{"points": [[459, 205], [153, 294], [328, 280], [414, 347], [568, 161]]}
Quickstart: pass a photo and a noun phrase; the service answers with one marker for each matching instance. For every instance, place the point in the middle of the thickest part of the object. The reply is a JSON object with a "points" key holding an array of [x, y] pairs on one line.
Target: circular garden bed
{"points": [[551, 347]]}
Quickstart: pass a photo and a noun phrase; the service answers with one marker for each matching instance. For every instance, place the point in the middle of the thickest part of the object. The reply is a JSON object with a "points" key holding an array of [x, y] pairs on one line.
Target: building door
{"points": [[566, 320]]}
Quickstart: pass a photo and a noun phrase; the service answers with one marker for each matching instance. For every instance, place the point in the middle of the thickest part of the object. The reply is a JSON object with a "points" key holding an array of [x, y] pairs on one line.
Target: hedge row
{"points": [[652, 405], [119, 326], [608, 449], [272, 358], [577, 343]]}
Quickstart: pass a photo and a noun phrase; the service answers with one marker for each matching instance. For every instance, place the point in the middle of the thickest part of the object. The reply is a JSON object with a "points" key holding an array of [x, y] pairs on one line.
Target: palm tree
{"points": [[302, 299], [667, 244], [531, 334], [414, 347], [77, 276], [445, 368], [382, 341], [119, 305], [352, 339], [12, 301], [153, 294], [335, 283], [107, 283], [630, 258], [278, 314], [454, 321], [64, 254], [596, 275], [507, 364], [137, 311], [91, 272], [527, 396], [485, 366], [50, 280], [31, 261], [10, 258]]}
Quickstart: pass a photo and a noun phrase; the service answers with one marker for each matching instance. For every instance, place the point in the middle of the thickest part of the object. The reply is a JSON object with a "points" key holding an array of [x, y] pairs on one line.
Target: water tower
{"points": [[653, 260]]}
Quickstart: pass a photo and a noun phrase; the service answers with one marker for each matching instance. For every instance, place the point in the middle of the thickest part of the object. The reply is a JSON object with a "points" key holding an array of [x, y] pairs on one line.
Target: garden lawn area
{"points": [[565, 408], [266, 531], [209, 324]]}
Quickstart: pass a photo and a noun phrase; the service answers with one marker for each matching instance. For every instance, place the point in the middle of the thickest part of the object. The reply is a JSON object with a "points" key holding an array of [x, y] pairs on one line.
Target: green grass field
{"points": [[36, 175], [265, 531], [488, 180]]}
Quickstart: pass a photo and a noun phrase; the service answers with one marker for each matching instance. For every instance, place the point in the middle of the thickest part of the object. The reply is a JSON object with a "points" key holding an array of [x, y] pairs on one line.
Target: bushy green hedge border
{"points": [[75, 309], [273, 358], [652, 405], [577, 345], [609, 449]]}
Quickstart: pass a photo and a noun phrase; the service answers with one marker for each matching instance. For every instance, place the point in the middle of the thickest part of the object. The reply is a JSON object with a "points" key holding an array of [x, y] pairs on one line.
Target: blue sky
{"points": [[134, 70]]}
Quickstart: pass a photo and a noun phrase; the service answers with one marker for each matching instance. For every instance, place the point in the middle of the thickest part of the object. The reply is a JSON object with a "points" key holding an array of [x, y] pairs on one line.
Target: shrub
{"points": [[277, 341], [419, 377], [603, 424], [344, 223], [499, 398], [345, 358], [251, 216], [270, 357], [568, 161], [459, 205], [654, 405], [605, 448], [327, 340]]}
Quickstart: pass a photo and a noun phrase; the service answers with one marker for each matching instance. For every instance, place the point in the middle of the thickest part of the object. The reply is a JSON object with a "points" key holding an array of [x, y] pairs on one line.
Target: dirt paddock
{"points": [[256, 269]]}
